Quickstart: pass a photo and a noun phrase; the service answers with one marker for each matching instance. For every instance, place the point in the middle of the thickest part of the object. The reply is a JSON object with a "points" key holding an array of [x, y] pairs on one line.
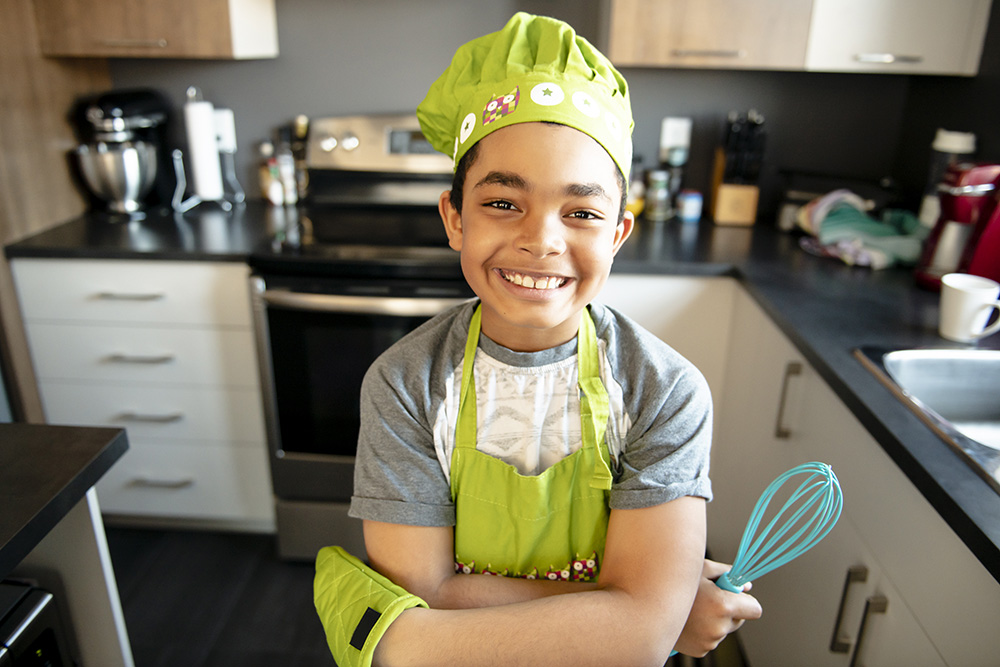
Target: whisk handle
{"points": [[726, 585]]}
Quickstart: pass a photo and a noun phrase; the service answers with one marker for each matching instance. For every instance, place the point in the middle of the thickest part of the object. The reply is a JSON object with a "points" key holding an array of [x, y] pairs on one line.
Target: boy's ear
{"points": [[623, 230], [452, 220]]}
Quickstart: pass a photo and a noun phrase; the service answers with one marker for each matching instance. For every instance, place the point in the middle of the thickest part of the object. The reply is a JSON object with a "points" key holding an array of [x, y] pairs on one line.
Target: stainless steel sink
{"points": [[954, 391]]}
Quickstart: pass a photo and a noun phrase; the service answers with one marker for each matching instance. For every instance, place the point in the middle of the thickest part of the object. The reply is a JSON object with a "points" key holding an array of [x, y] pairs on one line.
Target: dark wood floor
{"points": [[204, 599]]}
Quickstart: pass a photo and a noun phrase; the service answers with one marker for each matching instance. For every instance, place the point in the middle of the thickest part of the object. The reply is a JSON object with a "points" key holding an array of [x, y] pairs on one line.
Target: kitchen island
{"points": [[51, 530], [825, 308]]}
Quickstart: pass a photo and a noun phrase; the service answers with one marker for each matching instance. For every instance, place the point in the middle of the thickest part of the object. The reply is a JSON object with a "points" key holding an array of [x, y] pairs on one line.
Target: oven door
{"points": [[316, 340]]}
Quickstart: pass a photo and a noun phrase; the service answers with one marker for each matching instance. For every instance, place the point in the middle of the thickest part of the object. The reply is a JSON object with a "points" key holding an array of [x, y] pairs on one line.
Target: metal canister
{"points": [[658, 195]]}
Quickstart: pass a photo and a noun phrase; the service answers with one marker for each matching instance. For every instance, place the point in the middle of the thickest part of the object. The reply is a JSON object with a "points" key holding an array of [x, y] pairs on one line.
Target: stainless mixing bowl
{"points": [[120, 173]]}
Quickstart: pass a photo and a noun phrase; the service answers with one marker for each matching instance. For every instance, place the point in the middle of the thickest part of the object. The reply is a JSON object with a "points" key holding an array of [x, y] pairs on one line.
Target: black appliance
{"points": [[30, 632], [356, 268]]}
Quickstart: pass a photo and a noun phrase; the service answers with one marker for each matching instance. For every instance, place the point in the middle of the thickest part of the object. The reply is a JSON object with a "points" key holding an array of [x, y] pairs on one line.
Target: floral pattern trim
{"points": [[581, 569]]}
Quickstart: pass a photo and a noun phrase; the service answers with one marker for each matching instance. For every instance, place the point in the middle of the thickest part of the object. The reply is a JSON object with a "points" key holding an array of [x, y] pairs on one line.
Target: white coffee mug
{"points": [[967, 302]]}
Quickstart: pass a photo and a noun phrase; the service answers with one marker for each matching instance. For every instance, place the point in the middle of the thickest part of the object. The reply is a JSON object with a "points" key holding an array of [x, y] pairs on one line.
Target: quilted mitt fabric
{"points": [[356, 605]]}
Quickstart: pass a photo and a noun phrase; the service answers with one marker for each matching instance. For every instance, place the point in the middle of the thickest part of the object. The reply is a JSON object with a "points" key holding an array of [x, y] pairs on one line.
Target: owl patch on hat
{"points": [[501, 106]]}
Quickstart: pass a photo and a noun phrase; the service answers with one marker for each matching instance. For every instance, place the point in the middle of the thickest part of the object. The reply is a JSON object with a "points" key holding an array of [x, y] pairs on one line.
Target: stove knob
{"points": [[328, 143], [349, 141]]}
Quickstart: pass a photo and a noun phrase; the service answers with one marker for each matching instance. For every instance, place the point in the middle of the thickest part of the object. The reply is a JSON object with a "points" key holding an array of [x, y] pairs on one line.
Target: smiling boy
{"points": [[531, 433]]}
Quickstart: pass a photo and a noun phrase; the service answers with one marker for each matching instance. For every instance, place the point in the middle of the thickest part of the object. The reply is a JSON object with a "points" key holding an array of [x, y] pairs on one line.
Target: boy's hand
{"points": [[715, 613]]}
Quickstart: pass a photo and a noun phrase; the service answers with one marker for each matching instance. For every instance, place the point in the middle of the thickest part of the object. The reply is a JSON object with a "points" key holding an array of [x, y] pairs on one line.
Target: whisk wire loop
{"points": [[806, 517]]}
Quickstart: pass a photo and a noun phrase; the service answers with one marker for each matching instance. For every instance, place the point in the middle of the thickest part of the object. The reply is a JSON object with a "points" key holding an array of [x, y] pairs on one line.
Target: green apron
{"points": [[551, 525]]}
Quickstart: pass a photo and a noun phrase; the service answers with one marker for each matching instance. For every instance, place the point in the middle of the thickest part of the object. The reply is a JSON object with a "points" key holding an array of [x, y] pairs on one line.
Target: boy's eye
{"points": [[584, 215], [500, 204]]}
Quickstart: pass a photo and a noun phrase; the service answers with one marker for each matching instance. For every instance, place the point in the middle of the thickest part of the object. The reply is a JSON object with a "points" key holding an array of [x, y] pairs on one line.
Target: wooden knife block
{"points": [[732, 203]]}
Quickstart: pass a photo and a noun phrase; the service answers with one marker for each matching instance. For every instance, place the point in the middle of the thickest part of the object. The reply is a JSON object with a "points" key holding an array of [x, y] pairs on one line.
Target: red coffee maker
{"points": [[982, 252], [969, 195]]}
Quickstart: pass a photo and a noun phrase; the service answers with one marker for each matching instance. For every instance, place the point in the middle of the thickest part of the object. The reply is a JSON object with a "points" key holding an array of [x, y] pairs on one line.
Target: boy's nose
{"points": [[541, 235]]}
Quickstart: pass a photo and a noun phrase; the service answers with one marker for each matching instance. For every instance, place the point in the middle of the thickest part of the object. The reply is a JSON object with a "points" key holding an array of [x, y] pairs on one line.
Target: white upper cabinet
{"points": [[897, 36], [889, 36]]}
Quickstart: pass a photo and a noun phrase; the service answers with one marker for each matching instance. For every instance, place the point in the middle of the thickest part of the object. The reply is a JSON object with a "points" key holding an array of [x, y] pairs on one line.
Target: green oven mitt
{"points": [[355, 604]]}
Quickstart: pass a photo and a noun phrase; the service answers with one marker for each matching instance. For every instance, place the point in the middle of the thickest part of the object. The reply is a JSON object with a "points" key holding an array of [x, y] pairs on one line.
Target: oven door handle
{"points": [[366, 305]]}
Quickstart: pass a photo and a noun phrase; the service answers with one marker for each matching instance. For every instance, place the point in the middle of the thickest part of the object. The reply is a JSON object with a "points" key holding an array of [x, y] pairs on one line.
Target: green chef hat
{"points": [[535, 69]]}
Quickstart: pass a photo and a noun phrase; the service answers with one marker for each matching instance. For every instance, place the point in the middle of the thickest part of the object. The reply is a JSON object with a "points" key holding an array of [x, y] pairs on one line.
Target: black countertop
{"points": [[827, 309], [44, 472]]}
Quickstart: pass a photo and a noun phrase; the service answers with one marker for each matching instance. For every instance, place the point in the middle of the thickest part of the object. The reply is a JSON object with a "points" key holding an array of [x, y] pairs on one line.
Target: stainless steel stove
{"points": [[361, 264]]}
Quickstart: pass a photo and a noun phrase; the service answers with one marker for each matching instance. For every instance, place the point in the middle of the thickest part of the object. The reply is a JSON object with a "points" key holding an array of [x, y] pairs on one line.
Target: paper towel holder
{"points": [[212, 132], [234, 194]]}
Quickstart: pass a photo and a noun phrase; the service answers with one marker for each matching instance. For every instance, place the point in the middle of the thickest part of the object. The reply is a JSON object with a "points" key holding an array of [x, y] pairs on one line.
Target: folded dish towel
{"points": [[839, 226]]}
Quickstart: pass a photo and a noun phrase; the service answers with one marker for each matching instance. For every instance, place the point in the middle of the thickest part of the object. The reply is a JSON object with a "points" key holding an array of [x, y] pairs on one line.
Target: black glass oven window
{"points": [[319, 360]]}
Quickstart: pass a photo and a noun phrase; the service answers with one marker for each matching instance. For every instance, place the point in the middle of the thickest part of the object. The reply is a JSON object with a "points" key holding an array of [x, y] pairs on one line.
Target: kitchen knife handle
{"points": [[781, 431], [876, 604], [887, 58], [855, 574]]}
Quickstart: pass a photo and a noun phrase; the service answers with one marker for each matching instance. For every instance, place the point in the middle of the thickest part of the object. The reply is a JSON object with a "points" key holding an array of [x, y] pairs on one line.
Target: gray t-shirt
{"points": [[659, 431]]}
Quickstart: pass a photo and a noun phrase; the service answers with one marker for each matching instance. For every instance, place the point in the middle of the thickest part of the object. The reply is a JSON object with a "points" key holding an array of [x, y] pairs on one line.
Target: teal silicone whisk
{"points": [[808, 514]]}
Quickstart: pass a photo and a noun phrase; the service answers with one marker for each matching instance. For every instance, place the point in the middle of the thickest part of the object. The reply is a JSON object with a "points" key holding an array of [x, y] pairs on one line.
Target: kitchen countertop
{"points": [[827, 309], [44, 472]]}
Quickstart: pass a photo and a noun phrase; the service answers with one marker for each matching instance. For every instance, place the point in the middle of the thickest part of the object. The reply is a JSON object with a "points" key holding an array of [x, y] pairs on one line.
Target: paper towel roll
{"points": [[203, 150]]}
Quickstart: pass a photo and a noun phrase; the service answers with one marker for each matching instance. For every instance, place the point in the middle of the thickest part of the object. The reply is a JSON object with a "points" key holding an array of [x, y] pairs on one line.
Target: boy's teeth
{"points": [[550, 282]]}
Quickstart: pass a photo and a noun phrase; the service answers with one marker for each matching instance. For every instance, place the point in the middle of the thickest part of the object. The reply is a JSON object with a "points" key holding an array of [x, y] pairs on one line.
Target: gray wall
{"points": [[357, 56]]}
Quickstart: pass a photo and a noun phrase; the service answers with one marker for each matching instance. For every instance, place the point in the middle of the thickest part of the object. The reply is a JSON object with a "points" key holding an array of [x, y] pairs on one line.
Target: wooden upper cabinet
{"points": [[210, 29], [725, 34]]}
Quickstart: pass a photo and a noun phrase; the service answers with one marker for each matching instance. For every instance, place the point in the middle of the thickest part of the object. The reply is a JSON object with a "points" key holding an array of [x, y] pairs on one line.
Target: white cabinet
{"points": [[165, 350], [940, 603], [890, 36], [897, 36]]}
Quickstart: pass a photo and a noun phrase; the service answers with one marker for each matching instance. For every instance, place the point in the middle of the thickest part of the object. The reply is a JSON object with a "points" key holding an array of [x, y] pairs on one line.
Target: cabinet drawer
{"points": [[175, 293], [189, 481], [202, 357], [183, 413]]}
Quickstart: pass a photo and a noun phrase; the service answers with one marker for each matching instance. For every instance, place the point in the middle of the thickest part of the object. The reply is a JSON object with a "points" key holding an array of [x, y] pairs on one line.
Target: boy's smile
{"points": [[537, 231]]}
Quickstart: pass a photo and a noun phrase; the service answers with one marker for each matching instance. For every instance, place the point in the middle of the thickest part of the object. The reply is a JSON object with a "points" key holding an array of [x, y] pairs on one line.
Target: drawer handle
{"points": [[151, 418], [793, 368], [136, 43], [876, 604], [141, 358], [855, 574], [708, 53], [887, 58], [130, 296], [151, 483]]}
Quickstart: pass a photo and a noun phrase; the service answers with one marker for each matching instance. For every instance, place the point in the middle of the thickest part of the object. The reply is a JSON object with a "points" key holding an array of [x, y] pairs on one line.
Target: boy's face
{"points": [[537, 231]]}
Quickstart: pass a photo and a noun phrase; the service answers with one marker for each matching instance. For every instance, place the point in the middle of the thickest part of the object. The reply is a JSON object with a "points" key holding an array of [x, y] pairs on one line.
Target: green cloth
{"points": [[535, 69], [898, 234]]}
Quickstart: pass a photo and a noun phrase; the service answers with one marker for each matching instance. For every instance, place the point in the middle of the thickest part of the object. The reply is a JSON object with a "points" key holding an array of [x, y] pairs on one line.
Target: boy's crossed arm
{"points": [[652, 569]]}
